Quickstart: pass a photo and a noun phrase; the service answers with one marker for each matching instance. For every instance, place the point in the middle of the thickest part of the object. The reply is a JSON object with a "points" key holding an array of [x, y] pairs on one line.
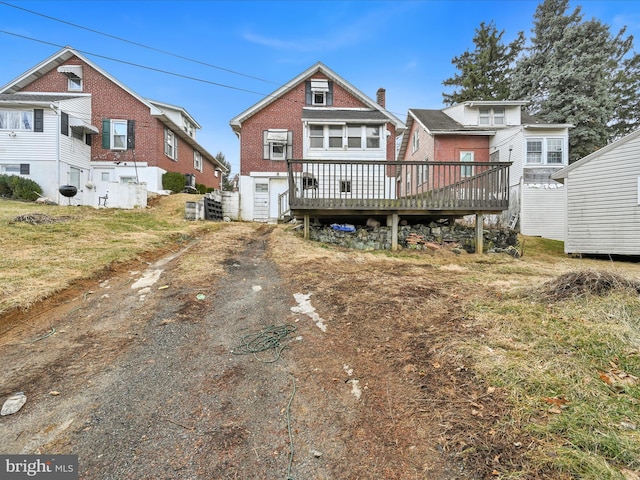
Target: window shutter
{"points": [[175, 147], [307, 93], [24, 169], [266, 148], [64, 124], [87, 139], [38, 120], [330, 95], [131, 134], [289, 154], [106, 134]]}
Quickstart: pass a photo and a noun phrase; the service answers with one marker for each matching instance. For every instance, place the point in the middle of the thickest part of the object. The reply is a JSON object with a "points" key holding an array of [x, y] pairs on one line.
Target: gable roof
{"points": [[560, 175], [155, 108], [319, 67]]}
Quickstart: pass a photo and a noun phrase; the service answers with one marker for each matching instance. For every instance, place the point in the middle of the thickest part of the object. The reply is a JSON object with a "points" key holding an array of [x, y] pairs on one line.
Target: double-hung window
{"points": [[170, 144], [118, 134], [316, 136], [278, 144], [467, 170], [491, 116], [415, 145], [545, 151], [354, 136], [373, 137], [319, 91], [197, 160]]}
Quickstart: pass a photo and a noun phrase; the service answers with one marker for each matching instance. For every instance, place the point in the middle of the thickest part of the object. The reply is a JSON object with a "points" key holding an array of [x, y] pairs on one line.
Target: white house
{"points": [[603, 200]]}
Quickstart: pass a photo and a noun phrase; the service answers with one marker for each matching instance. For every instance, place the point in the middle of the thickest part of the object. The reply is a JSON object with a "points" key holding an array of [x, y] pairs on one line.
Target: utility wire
{"points": [[131, 42], [136, 64]]}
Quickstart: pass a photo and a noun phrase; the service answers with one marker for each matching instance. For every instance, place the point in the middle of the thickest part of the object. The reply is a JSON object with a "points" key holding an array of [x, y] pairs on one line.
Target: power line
{"points": [[136, 64], [131, 42]]}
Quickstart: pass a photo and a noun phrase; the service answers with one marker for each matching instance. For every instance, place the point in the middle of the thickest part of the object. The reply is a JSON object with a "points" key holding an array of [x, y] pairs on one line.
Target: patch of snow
{"points": [[256, 288]]}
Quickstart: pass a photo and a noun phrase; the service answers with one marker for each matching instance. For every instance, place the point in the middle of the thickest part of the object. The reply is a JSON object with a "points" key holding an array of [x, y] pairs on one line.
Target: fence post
{"points": [[479, 233]]}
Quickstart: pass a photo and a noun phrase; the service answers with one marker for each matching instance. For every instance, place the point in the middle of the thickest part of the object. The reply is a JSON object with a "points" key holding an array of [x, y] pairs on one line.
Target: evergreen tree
{"points": [[484, 73], [627, 109], [569, 74], [225, 184]]}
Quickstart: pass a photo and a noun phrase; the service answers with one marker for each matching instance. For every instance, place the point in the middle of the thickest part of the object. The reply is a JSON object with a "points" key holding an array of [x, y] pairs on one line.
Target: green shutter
{"points": [[106, 134]]}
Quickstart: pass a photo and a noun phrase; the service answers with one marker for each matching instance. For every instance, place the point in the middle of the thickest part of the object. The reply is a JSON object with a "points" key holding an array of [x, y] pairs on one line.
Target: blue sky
{"points": [[244, 50]]}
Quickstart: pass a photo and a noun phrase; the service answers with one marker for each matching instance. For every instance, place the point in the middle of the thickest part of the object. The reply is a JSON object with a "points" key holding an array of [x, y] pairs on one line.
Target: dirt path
{"points": [[140, 380]]}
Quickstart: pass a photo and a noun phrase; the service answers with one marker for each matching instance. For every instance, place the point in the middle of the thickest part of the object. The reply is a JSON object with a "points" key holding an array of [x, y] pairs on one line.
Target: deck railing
{"points": [[402, 186]]}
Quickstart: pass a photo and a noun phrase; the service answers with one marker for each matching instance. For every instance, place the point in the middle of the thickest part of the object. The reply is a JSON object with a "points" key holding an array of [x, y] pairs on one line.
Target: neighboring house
{"points": [[133, 140], [486, 131], [46, 138], [315, 116], [603, 200]]}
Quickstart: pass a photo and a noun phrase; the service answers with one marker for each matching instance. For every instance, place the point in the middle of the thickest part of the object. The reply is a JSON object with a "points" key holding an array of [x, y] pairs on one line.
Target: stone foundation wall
{"points": [[419, 237]]}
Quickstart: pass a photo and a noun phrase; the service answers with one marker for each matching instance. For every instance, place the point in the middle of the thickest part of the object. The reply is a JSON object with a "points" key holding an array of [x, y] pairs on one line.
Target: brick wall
{"points": [[447, 149], [110, 101]]}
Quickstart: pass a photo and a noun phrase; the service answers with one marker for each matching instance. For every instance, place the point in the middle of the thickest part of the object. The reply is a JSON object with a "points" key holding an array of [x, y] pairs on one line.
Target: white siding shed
{"points": [[603, 200]]}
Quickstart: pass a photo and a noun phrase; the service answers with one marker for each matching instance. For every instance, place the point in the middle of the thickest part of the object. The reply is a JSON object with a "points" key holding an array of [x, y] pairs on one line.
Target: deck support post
{"points": [[479, 233], [306, 226], [392, 221]]}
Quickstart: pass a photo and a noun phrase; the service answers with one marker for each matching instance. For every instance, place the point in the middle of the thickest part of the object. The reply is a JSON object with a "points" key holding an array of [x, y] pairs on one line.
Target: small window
{"points": [[373, 137], [170, 149], [335, 136], [105, 176], [485, 116], [345, 186], [354, 136], [74, 83], [262, 188], [498, 116], [118, 134], [127, 180], [77, 133], [534, 151], [316, 136], [491, 116], [554, 151], [278, 151], [197, 160], [467, 170], [415, 145], [13, 169], [319, 90]]}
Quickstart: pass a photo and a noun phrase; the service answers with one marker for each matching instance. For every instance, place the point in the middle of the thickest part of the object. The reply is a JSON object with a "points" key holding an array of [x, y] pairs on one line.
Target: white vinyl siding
{"points": [[542, 211], [602, 202]]}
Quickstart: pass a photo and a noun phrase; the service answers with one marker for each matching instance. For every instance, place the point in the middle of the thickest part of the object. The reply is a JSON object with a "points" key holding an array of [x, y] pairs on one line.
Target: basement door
{"points": [[261, 201]]}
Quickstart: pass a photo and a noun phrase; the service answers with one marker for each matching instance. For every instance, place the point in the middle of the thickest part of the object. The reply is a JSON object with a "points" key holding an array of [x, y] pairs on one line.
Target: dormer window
{"points": [[319, 93], [319, 90], [491, 116], [74, 76], [189, 127]]}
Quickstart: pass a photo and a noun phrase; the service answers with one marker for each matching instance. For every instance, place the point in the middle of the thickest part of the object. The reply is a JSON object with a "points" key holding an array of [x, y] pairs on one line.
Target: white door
{"points": [[277, 186], [261, 201]]}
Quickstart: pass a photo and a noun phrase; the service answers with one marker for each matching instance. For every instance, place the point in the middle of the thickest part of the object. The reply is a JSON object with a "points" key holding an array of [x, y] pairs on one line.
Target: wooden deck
{"points": [[342, 188]]}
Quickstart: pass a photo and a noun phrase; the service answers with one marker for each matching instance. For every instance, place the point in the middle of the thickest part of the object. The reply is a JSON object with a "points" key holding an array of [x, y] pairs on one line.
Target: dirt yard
{"points": [[141, 372]]}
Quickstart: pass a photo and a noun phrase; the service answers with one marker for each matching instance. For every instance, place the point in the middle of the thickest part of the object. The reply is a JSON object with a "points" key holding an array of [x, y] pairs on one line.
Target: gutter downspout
{"points": [[55, 111]]}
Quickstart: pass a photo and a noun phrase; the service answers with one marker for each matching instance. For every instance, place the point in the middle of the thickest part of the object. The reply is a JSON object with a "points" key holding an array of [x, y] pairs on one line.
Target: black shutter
{"points": [[266, 148], [106, 134], [131, 134], [24, 169], [330, 95], [64, 124], [87, 138], [38, 120], [308, 95], [289, 153]]}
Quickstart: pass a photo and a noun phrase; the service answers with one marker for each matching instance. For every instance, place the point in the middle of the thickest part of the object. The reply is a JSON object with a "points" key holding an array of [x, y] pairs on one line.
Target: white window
{"points": [[422, 174], [74, 83], [74, 177], [373, 137], [316, 136], [467, 170], [105, 176], [16, 119], [189, 127], [415, 145], [491, 116], [354, 136], [78, 133], [319, 91], [170, 147], [10, 169], [118, 134], [127, 180], [277, 140], [74, 76], [197, 160], [545, 151], [335, 136]]}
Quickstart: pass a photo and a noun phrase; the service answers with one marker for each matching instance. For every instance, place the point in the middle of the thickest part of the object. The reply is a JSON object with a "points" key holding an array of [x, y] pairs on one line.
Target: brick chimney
{"points": [[380, 97]]}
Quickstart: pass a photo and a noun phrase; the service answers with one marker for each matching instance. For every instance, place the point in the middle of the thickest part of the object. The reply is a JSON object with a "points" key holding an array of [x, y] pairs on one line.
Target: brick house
{"points": [[494, 131], [316, 115], [132, 139]]}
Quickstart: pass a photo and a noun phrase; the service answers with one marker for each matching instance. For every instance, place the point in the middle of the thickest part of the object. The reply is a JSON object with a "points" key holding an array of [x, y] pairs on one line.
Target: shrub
{"points": [[201, 188], [173, 181], [19, 188]]}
